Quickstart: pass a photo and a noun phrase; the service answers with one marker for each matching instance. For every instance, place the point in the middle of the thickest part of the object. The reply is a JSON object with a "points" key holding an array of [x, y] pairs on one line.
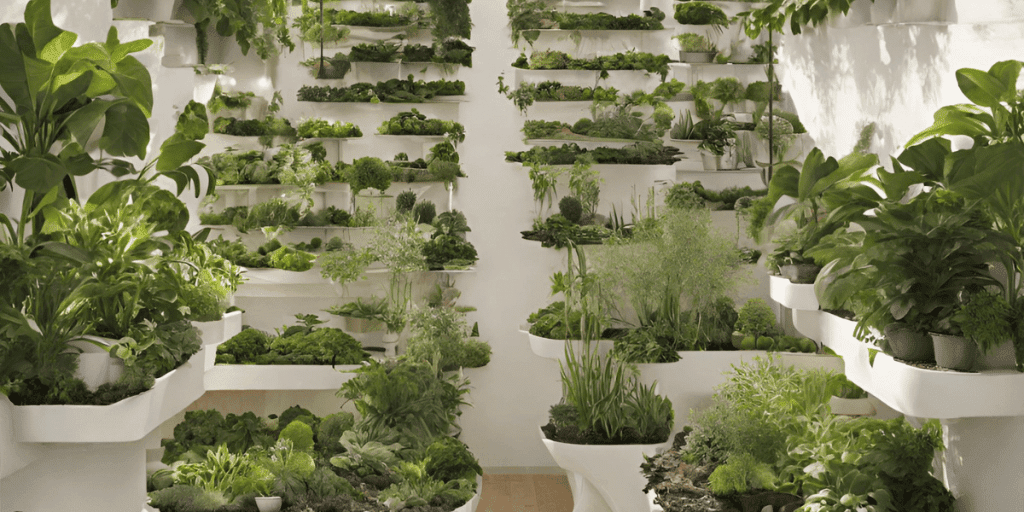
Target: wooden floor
{"points": [[525, 493]]}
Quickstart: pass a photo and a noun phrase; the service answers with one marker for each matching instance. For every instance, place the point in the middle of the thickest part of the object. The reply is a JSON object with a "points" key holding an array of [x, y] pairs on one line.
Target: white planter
{"points": [[851, 406], [179, 44], [724, 162], [910, 390], [268, 503], [153, 10], [924, 11], [652, 506], [275, 276], [129, 420], [278, 377], [95, 365], [555, 349], [217, 331], [607, 477], [791, 295]]}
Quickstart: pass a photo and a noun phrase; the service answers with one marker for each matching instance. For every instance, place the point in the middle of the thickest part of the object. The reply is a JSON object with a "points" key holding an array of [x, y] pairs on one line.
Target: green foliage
{"points": [[415, 123], [741, 473], [526, 17], [756, 318], [630, 60], [643, 153], [408, 396], [187, 497], [761, 92], [450, 459], [444, 250], [394, 90], [424, 212], [612, 406], [405, 201], [440, 334], [320, 128], [365, 456], [571, 209], [369, 172], [247, 345], [985, 318], [417, 488], [299, 434], [367, 19], [552, 90], [700, 13], [694, 43], [261, 24]]}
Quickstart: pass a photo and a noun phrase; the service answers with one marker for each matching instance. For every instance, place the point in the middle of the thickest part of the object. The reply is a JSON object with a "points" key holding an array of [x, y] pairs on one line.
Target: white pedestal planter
{"points": [[791, 295], [67, 456], [607, 477], [555, 349]]}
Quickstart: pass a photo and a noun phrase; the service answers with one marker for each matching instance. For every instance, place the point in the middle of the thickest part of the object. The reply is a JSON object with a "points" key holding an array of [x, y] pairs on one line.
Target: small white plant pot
{"points": [[852, 406], [390, 343], [268, 503]]}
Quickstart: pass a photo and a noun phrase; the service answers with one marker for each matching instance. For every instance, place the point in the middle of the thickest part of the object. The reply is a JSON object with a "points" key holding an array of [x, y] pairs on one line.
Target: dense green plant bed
{"points": [[558, 232], [336, 462], [768, 425], [415, 123], [321, 128], [253, 127], [694, 194], [391, 91], [641, 153], [551, 90], [630, 60], [289, 165], [274, 254], [527, 17], [305, 343]]}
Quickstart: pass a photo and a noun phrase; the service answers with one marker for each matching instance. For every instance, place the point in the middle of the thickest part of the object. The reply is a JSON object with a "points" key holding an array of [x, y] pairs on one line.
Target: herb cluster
{"points": [[415, 123], [630, 60], [409, 90], [640, 153]]}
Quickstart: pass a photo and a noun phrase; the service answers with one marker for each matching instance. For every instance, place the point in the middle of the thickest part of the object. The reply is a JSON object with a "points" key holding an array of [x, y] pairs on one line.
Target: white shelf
{"points": [[910, 390], [243, 377], [791, 295]]}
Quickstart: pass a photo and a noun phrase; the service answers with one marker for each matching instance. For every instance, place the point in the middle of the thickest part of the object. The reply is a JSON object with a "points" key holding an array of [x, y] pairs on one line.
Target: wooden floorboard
{"points": [[525, 493]]}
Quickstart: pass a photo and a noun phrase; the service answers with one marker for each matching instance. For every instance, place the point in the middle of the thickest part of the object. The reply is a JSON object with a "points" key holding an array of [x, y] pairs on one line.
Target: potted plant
{"points": [[701, 16], [850, 399], [695, 48], [717, 147], [730, 93], [368, 173], [980, 323]]}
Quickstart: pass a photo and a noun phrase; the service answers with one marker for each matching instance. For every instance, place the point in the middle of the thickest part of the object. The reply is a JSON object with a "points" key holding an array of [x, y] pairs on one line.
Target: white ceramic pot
{"points": [[95, 365], [555, 349], [607, 477], [851, 406], [268, 503]]}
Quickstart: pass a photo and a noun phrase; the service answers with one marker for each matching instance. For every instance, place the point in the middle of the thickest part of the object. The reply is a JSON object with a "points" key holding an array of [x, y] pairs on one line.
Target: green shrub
{"points": [[424, 212], [243, 347], [300, 434], [450, 459], [700, 13], [369, 172], [405, 201], [756, 318], [741, 473], [571, 208]]}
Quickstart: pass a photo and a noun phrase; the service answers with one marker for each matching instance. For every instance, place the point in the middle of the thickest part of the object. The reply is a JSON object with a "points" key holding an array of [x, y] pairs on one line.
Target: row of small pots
{"points": [[947, 351]]}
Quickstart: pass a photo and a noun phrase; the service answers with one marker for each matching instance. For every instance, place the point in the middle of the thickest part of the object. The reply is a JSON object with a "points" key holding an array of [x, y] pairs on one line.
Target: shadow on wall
{"points": [[890, 75]]}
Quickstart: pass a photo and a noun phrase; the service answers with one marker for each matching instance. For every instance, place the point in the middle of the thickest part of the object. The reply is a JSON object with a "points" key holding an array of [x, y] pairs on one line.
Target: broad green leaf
{"points": [[76, 162], [37, 173], [64, 250], [871, 356], [62, 94], [53, 50], [134, 83], [185, 176], [980, 87], [122, 50], [126, 132], [14, 79], [82, 123], [121, 168], [40, 24], [785, 182], [9, 119], [177, 150], [102, 83], [38, 73], [956, 120], [927, 158], [809, 172], [47, 200], [1007, 72]]}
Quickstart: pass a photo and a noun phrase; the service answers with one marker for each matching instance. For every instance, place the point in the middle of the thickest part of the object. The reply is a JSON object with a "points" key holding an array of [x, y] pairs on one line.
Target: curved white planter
{"points": [[791, 295], [608, 477], [851, 406], [218, 331], [278, 377], [916, 391], [555, 349], [129, 420], [275, 276]]}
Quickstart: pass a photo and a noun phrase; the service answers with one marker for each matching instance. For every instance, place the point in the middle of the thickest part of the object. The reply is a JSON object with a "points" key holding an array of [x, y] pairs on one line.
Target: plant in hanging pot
{"points": [[717, 145], [695, 48]]}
